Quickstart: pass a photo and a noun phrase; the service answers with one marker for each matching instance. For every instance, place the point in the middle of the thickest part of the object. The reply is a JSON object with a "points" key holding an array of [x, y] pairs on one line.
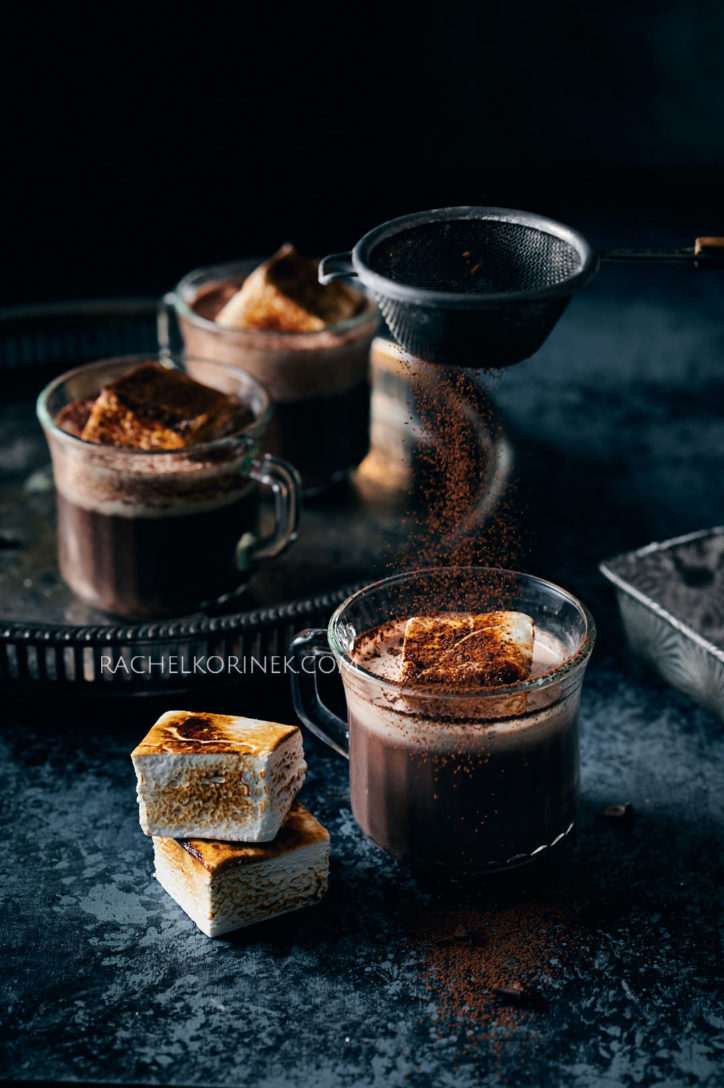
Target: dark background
{"points": [[143, 143]]}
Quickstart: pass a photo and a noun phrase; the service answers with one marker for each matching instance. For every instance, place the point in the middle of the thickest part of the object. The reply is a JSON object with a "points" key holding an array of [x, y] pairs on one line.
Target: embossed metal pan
{"points": [[671, 599]]}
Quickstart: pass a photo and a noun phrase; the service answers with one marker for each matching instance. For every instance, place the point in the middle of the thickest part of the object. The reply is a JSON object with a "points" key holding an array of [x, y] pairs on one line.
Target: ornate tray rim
{"points": [[165, 631]]}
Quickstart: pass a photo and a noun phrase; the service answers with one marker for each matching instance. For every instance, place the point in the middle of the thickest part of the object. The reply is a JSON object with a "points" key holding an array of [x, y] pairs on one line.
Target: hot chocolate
{"points": [[156, 483], [309, 346], [463, 687], [440, 779], [145, 564], [457, 780]]}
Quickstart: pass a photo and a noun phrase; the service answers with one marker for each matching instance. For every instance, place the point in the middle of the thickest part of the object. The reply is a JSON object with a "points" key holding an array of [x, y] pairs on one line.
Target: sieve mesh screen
{"points": [[475, 256]]}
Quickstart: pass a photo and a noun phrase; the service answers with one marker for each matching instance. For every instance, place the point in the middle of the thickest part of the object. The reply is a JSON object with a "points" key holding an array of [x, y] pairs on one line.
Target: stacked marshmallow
{"points": [[231, 843]]}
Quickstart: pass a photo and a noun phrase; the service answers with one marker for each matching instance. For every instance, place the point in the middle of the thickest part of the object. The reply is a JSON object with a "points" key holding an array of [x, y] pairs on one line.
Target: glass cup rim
{"points": [[570, 665], [229, 268], [248, 435]]}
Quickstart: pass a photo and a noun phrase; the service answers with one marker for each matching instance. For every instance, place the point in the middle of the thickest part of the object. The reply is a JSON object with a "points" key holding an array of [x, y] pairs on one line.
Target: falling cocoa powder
{"points": [[452, 465], [488, 958]]}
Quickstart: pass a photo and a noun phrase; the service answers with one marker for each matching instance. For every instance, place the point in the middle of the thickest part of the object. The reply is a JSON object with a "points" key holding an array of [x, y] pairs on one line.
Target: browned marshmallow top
{"points": [[468, 650], [284, 294], [184, 732], [299, 829], [154, 407]]}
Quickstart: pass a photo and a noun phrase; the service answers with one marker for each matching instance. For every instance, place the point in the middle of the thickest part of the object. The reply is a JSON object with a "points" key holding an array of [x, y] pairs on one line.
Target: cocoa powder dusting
{"points": [[489, 956], [453, 405]]}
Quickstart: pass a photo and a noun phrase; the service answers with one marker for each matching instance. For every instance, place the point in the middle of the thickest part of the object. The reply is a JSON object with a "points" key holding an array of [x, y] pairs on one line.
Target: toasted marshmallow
{"points": [[468, 650], [214, 776], [154, 407], [284, 293], [223, 886]]}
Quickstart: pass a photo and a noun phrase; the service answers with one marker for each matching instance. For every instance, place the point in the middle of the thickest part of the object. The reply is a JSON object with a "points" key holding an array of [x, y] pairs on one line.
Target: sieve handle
{"points": [[707, 252], [337, 266]]}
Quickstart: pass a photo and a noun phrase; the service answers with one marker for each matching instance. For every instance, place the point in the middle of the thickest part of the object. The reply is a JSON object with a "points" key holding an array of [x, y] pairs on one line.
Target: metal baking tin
{"points": [[671, 600]]}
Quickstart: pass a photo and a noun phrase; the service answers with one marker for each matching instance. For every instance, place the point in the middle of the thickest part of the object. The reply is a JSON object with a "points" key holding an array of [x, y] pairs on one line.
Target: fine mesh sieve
{"points": [[474, 286]]}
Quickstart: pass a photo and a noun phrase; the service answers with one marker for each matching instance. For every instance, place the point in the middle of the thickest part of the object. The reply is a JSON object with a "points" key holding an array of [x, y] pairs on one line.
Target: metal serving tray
{"points": [[671, 599], [362, 529]]}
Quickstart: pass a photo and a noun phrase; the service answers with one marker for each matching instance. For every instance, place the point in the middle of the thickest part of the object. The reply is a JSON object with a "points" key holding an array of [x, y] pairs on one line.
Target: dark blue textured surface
{"points": [[618, 428]]}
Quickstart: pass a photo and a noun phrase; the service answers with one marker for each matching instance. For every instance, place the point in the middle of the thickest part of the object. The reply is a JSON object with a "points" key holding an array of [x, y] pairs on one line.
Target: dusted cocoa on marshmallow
{"points": [[215, 776], [284, 293], [223, 886], [155, 407], [468, 650]]}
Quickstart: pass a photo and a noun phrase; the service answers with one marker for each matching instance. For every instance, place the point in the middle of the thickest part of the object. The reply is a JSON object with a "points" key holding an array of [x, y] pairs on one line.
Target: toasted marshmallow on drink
{"points": [[468, 650], [284, 293], [155, 407]]}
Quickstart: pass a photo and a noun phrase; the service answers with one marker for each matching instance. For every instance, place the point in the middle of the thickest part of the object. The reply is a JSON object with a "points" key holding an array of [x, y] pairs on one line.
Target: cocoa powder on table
{"points": [[490, 962]]}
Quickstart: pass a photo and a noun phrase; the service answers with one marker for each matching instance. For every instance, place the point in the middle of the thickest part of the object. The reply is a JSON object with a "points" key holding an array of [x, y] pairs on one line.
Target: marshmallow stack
{"points": [[231, 844]]}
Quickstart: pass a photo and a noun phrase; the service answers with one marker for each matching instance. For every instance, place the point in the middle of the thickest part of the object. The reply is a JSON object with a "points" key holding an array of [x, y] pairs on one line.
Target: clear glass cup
{"points": [[150, 533], [319, 382], [475, 780]]}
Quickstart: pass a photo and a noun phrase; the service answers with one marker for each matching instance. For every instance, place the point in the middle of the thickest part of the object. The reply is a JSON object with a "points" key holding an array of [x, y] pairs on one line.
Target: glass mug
{"points": [[478, 780], [319, 382], [151, 533]]}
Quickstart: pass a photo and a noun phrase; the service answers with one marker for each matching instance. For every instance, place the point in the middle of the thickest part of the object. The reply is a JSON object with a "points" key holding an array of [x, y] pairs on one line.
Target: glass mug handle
{"points": [[282, 479], [312, 645], [168, 332]]}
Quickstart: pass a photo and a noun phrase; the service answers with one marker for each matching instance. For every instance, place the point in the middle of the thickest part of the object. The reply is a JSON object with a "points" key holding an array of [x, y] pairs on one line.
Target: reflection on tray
{"points": [[363, 527]]}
